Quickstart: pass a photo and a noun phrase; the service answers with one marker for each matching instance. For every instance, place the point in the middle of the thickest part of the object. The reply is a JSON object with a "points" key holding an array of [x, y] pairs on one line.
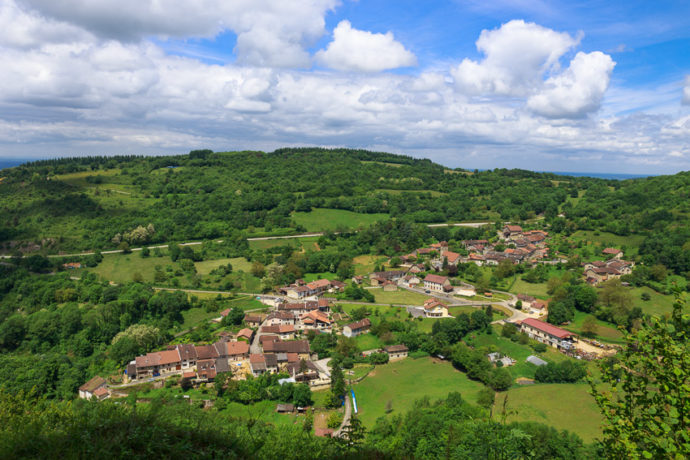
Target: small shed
{"points": [[285, 408], [536, 360]]}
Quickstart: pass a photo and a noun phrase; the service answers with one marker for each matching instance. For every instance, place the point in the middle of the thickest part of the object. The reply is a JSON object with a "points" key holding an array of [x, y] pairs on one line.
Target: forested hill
{"points": [[83, 203]]}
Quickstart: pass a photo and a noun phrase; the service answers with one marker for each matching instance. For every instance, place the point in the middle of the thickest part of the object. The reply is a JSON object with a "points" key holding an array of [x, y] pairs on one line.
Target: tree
{"points": [[145, 252], [301, 395], [646, 404], [352, 435], [258, 269], [559, 313], [505, 268], [486, 397], [590, 327], [337, 381]]}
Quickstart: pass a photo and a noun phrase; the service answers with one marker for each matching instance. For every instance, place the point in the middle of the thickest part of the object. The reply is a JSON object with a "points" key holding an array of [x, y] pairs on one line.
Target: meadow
{"points": [[564, 406], [405, 381], [321, 219], [308, 242], [399, 297]]}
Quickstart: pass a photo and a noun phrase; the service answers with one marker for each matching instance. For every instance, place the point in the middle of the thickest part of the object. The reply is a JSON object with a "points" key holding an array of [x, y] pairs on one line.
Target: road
{"points": [[346, 418]]}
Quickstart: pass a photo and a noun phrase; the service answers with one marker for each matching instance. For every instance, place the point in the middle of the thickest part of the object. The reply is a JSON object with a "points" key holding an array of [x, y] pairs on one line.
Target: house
{"points": [[206, 369], [252, 320], [284, 331], [87, 390], [315, 320], [391, 275], [303, 373], [616, 253], [237, 351], [300, 347], [389, 286], [271, 360], [416, 268], [245, 334], [257, 363], [280, 317], [357, 279], [510, 231], [540, 306], [101, 393], [437, 283], [206, 352], [396, 351], [285, 408], [435, 309], [476, 259], [475, 245], [409, 281], [527, 300], [337, 286], [452, 257], [548, 333], [356, 328], [298, 292], [299, 308], [325, 304], [161, 362], [319, 286], [188, 355]]}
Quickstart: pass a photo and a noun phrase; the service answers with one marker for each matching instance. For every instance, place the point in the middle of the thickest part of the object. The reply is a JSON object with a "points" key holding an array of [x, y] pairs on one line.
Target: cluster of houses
{"points": [[302, 290], [522, 247], [599, 271]]}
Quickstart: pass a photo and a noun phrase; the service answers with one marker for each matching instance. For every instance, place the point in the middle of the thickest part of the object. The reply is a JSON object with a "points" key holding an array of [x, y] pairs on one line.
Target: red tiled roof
{"points": [[189, 375], [359, 324], [237, 348], [436, 279], [169, 357], [451, 256], [245, 333], [613, 251], [514, 228], [547, 328]]}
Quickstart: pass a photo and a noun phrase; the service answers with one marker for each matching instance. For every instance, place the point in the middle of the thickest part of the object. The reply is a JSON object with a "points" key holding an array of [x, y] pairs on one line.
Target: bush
{"points": [[539, 347], [564, 372], [334, 420]]}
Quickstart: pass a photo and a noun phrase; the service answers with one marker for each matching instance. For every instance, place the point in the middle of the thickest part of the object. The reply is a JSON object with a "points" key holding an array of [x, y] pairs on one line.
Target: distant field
{"points": [[321, 219], [605, 332], [632, 242], [401, 296], [455, 311], [405, 381], [365, 264], [535, 290], [207, 266], [309, 277], [308, 242], [120, 268], [658, 304], [565, 406]]}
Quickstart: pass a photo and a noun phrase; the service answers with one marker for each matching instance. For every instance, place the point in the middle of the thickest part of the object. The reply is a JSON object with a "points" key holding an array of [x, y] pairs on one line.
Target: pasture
{"points": [[321, 219]]}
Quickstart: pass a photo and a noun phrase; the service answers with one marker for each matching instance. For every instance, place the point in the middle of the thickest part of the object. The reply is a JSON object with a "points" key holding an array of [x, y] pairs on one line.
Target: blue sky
{"points": [[568, 86]]}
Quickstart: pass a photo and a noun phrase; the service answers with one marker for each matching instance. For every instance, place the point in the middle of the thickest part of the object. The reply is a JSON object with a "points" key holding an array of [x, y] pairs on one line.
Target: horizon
{"points": [[530, 85], [13, 162]]}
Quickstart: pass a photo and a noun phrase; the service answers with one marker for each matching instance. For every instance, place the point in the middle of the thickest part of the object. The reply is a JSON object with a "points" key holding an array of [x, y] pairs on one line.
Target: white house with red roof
{"points": [[435, 309], [548, 333], [437, 283]]}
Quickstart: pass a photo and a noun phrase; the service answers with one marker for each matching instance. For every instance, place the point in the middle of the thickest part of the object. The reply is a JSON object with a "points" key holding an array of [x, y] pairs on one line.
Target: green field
{"points": [[207, 266], [658, 304], [405, 381], [606, 332], [120, 268], [309, 277], [401, 297], [365, 264], [368, 342], [604, 239], [455, 311], [320, 219], [564, 406]]}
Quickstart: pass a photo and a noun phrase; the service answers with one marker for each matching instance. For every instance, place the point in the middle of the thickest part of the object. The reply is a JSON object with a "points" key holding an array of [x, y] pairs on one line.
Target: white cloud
{"points": [[516, 56], [22, 29], [363, 51], [578, 90], [686, 91], [269, 33]]}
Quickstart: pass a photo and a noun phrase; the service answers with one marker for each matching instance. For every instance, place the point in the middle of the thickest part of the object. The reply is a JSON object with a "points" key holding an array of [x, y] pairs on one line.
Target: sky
{"points": [[579, 86]]}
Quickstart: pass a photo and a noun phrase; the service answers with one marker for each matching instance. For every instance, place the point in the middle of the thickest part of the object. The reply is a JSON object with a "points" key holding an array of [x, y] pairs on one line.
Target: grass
{"points": [[658, 304], [196, 315], [207, 266], [368, 342], [458, 309], [534, 289], [120, 268], [564, 406], [606, 332], [309, 277], [401, 296], [365, 264], [603, 239], [321, 219], [405, 381]]}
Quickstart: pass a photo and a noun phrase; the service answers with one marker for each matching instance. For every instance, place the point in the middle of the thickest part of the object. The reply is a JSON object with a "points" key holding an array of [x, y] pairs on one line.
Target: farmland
{"points": [[320, 219]]}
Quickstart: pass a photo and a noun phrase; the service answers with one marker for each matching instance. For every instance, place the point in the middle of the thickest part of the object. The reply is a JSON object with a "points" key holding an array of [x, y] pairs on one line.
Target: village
{"points": [[275, 341]]}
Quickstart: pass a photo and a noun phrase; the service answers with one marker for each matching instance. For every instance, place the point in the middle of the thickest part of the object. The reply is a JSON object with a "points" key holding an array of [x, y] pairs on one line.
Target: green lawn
{"points": [[207, 266], [534, 289], [455, 311], [606, 332], [309, 277], [194, 316], [565, 406], [404, 381], [604, 239], [321, 219], [368, 342], [401, 296], [658, 304], [365, 264], [120, 268]]}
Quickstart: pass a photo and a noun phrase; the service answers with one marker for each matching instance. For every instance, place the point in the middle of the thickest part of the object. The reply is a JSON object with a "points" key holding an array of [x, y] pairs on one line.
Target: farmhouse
{"points": [[188, 355], [252, 320], [297, 292], [236, 351], [396, 351], [300, 347], [319, 286], [315, 320], [280, 317], [548, 333], [526, 300], [88, 390], [510, 231], [435, 309], [437, 283], [245, 334], [161, 362], [616, 253], [284, 331], [356, 328]]}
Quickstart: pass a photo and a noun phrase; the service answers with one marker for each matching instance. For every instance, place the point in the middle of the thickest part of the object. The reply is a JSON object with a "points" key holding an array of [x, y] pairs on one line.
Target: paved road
{"points": [[346, 418]]}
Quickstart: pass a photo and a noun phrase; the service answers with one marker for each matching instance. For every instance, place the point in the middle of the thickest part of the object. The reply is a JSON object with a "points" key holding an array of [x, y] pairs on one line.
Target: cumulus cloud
{"points": [[363, 51], [269, 33], [686, 91], [577, 91], [516, 56]]}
